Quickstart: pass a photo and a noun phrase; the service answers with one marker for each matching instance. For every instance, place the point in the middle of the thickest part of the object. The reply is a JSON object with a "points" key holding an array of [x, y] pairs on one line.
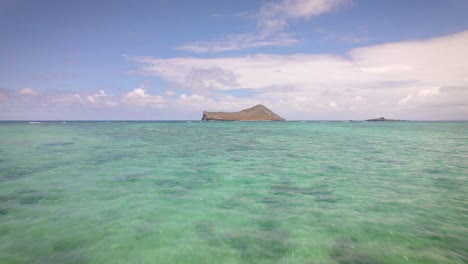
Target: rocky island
{"points": [[382, 119], [256, 113]]}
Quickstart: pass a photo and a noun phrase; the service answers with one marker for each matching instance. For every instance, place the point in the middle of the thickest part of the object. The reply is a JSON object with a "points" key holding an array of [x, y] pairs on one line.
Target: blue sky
{"points": [[305, 59]]}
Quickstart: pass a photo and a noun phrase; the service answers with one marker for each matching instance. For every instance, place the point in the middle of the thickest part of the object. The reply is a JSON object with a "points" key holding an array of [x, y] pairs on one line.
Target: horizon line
{"points": [[185, 120]]}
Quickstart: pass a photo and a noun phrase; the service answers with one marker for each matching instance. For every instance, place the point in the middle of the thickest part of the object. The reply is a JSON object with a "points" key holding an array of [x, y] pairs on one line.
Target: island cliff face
{"points": [[382, 119], [256, 113]]}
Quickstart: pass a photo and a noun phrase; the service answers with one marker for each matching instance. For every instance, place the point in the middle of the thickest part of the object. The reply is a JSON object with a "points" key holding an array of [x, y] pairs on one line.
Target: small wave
{"points": [[34, 122]]}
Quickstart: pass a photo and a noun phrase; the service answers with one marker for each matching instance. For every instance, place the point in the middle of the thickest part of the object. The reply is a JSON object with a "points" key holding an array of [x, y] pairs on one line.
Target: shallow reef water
{"points": [[234, 192]]}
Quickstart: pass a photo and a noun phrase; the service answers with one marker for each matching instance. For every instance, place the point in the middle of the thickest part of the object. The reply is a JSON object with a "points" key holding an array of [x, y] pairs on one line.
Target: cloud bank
{"points": [[397, 79], [420, 79]]}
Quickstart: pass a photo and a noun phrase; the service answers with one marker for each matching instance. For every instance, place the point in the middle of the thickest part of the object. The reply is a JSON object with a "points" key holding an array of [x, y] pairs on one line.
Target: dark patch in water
{"points": [[59, 144], [39, 251], [459, 253], [239, 148], [258, 246], [128, 178], [16, 173], [177, 187], [380, 160], [231, 203], [453, 246], [4, 230], [146, 231], [268, 224], [270, 201], [31, 199], [291, 190], [344, 251], [334, 167], [285, 189], [56, 147], [67, 245], [435, 237], [110, 157], [320, 193], [327, 197], [26, 197], [63, 257], [168, 182], [433, 171], [203, 178], [206, 231], [173, 188], [3, 211], [447, 183], [6, 198]]}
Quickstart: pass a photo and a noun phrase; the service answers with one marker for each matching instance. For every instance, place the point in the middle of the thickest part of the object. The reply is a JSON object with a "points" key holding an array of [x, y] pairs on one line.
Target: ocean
{"points": [[234, 192]]}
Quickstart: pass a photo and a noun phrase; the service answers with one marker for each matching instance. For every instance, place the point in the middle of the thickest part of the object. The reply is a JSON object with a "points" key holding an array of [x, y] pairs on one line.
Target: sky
{"points": [[172, 59]]}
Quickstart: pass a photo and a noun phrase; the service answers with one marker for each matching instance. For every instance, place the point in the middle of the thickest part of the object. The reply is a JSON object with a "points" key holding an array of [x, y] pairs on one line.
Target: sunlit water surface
{"points": [[222, 192]]}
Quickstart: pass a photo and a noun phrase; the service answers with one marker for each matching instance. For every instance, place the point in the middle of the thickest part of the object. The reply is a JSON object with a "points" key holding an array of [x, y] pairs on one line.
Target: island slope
{"points": [[382, 119], [256, 113]]}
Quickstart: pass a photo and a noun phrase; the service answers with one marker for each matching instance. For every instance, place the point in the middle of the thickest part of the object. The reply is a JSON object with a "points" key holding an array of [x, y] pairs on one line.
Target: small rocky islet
{"points": [[382, 119], [256, 113]]}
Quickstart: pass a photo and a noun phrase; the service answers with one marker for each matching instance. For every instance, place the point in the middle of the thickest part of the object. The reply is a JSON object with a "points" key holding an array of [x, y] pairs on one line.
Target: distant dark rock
{"points": [[382, 119], [256, 113]]}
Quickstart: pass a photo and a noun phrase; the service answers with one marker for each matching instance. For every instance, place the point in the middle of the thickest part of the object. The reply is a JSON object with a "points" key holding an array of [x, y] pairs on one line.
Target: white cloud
{"points": [[170, 93], [64, 104], [139, 97], [274, 16], [194, 104], [429, 92], [193, 99], [101, 99], [384, 78], [238, 42], [424, 79], [93, 98], [405, 99], [27, 91], [61, 99], [3, 96], [272, 20]]}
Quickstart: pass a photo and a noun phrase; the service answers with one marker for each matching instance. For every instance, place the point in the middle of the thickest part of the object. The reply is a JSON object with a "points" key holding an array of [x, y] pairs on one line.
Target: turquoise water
{"points": [[222, 192]]}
